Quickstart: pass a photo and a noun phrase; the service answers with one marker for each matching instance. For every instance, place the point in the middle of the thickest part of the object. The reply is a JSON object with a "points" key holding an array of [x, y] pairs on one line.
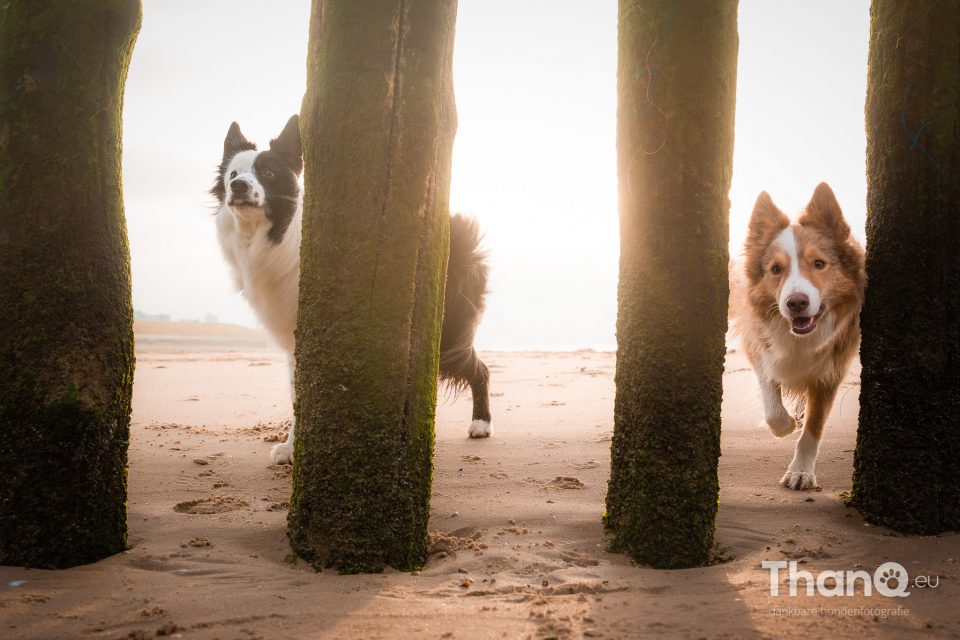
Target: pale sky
{"points": [[535, 154]]}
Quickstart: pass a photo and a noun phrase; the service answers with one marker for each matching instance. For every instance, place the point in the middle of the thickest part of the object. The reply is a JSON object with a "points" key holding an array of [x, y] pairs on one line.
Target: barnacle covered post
{"points": [[66, 322], [378, 127], [676, 89], [906, 474]]}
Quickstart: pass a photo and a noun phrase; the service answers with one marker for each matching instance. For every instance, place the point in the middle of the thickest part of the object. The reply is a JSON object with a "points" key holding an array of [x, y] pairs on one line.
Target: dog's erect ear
{"points": [[766, 222], [288, 142], [824, 213], [766, 219], [235, 142]]}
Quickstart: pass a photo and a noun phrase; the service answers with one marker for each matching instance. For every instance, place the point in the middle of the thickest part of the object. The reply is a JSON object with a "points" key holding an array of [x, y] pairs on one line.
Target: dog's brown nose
{"points": [[798, 302], [239, 187]]}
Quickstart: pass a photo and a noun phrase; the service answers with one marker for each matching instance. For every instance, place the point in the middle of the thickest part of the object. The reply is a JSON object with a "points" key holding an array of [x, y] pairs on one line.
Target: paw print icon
{"points": [[891, 580]]}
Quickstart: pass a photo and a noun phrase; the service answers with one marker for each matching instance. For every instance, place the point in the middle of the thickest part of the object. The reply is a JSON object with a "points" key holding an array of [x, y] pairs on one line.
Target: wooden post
{"points": [[906, 474], [378, 126], [676, 88], [66, 344]]}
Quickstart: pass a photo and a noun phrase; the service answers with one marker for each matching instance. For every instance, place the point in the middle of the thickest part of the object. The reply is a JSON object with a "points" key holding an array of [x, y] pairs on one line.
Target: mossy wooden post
{"points": [[378, 126], [906, 474], [66, 344], [676, 88]]}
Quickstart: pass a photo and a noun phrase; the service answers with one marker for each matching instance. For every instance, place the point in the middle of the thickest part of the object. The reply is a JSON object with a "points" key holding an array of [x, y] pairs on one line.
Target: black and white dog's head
{"points": [[261, 185]]}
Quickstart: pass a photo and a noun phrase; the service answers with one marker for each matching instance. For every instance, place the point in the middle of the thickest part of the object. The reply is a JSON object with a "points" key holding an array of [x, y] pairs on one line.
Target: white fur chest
{"points": [[796, 361], [267, 273]]}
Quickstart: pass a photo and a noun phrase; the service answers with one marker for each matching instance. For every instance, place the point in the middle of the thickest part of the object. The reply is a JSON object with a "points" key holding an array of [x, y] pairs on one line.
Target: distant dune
{"points": [[197, 337], [195, 330]]}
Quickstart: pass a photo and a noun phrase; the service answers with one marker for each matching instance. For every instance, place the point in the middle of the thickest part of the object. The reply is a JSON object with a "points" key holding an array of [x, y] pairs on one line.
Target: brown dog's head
{"points": [[806, 270]]}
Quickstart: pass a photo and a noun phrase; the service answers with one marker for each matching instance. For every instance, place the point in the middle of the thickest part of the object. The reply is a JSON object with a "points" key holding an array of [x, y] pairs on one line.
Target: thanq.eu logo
{"points": [[890, 579]]}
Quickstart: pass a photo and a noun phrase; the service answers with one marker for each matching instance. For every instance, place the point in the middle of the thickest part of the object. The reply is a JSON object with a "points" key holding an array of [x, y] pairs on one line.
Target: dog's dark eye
{"points": [[266, 173], [233, 174], [776, 269], [819, 264]]}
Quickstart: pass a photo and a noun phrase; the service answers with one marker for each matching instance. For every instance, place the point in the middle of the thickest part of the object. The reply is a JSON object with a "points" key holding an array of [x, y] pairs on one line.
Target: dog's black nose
{"points": [[798, 302], [239, 187]]}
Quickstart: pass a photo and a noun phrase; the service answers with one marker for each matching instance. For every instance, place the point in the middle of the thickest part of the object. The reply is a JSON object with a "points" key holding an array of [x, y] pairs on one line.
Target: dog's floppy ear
{"points": [[288, 143], [235, 142], [766, 222], [824, 213]]}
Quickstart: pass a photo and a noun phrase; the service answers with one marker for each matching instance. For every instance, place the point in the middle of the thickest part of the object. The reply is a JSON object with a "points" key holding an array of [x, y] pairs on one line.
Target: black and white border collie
{"points": [[258, 224]]}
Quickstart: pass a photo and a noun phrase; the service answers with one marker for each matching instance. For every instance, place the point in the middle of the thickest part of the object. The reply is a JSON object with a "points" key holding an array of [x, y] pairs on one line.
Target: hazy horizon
{"points": [[534, 159]]}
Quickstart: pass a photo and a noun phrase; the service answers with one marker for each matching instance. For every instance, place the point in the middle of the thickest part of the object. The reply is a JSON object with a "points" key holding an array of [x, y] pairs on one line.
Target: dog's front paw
{"points": [[480, 429], [282, 453], [782, 424], [799, 480]]}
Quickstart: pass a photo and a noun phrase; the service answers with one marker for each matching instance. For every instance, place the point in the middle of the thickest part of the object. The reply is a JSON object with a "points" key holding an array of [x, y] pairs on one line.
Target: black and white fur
{"points": [[258, 224]]}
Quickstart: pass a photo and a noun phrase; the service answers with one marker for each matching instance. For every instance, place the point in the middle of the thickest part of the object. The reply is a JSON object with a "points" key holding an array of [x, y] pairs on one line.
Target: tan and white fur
{"points": [[796, 308]]}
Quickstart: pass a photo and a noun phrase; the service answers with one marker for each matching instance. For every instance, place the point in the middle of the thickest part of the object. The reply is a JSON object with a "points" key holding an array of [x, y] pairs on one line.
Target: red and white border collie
{"points": [[258, 224], [798, 317]]}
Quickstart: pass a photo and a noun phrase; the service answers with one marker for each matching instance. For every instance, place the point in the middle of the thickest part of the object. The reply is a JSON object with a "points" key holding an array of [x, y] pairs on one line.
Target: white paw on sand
{"points": [[480, 429], [799, 480], [282, 453]]}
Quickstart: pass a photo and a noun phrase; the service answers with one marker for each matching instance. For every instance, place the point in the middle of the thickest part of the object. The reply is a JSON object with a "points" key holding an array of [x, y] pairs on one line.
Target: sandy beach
{"points": [[517, 542]]}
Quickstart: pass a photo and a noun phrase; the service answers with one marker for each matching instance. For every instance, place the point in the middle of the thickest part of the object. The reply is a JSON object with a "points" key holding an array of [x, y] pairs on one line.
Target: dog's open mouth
{"points": [[802, 325], [240, 203]]}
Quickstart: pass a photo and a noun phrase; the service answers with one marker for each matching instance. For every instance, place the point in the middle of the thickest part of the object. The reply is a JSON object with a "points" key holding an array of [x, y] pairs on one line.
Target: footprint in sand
{"points": [[282, 505], [281, 471], [441, 545], [208, 506], [197, 542], [565, 482], [589, 464]]}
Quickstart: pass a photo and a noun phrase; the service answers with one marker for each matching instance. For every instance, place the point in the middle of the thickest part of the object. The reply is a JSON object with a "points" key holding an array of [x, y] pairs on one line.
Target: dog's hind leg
{"points": [[779, 420], [480, 425], [282, 453], [463, 307], [461, 368], [801, 474]]}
